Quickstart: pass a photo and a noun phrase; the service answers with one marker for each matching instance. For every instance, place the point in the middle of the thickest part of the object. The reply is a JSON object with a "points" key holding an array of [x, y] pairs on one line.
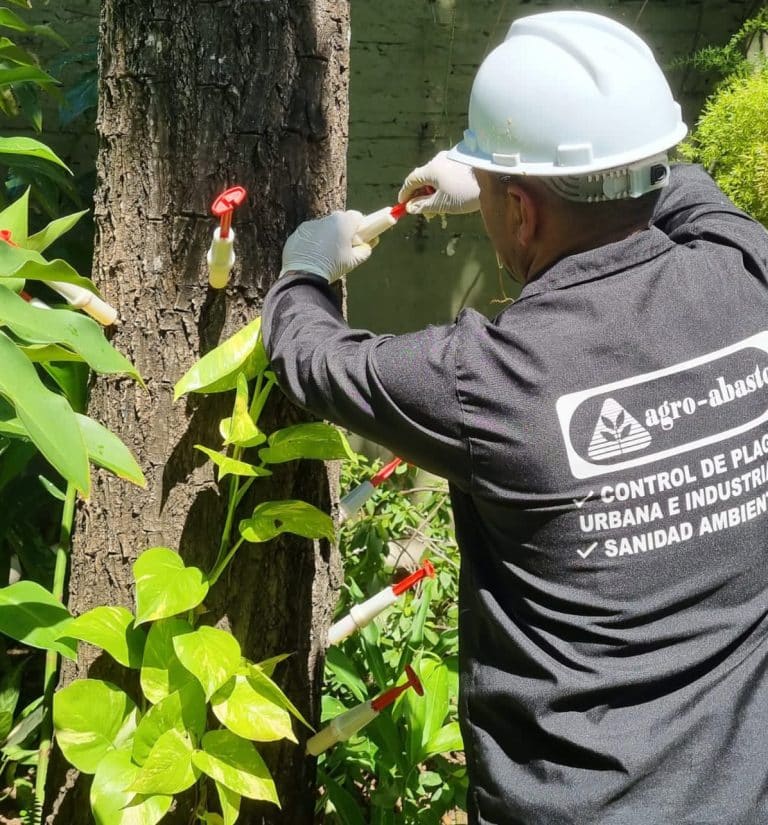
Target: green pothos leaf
{"points": [[91, 718], [313, 440], [217, 371], [165, 586], [235, 763], [231, 466], [112, 804], [110, 628], [272, 518]]}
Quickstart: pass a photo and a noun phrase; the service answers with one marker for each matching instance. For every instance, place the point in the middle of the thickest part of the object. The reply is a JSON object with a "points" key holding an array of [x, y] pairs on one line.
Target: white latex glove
{"points": [[456, 192], [324, 246]]}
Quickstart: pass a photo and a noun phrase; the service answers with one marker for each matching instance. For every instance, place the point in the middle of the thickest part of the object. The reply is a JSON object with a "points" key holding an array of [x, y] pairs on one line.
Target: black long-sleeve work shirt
{"points": [[606, 445]]}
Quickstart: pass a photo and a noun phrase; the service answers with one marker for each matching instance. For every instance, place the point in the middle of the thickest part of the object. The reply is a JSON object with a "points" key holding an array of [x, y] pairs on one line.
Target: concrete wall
{"points": [[412, 66]]}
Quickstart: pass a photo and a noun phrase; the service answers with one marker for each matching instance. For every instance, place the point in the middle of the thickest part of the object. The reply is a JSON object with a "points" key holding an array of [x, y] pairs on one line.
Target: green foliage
{"points": [[41, 352], [406, 767], [144, 750], [44, 438], [80, 96], [232, 365], [19, 727], [32, 616], [23, 85], [218, 371], [165, 586], [731, 140], [731, 137], [91, 718], [112, 629], [271, 518], [731, 59], [315, 440], [112, 804]]}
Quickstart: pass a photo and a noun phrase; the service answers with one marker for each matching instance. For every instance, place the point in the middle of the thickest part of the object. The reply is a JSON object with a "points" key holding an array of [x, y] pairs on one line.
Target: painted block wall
{"points": [[412, 67]]}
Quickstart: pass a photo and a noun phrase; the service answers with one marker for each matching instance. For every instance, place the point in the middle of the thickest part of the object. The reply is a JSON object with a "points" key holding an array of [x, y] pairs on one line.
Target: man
{"points": [[604, 438]]}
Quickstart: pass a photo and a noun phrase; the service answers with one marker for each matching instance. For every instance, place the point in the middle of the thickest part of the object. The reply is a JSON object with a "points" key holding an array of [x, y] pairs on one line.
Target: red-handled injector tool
{"points": [[365, 612], [351, 721], [221, 254], [382, 219], [357, 497]]}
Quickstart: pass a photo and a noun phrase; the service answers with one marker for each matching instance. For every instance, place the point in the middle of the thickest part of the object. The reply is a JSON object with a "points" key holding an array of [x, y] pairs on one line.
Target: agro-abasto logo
{"points": [[617, 432], [686, 406]]}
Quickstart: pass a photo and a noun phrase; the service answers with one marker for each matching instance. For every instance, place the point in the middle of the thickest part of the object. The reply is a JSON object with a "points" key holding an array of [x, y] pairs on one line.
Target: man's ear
{"points": [[526, 211]]}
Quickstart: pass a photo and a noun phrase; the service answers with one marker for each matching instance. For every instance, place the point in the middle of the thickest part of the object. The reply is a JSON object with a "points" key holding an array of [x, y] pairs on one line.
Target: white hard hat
{"points": [[570, 94]]}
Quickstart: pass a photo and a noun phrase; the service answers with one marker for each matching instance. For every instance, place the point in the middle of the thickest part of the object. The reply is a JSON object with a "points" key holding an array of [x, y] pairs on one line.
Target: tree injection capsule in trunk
{"points": [[365, 612], [350, 722]]}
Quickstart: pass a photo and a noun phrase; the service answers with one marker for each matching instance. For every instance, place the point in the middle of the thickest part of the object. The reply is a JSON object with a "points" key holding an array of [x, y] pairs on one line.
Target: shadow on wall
{"points": [[425, 272], [412, 66]]}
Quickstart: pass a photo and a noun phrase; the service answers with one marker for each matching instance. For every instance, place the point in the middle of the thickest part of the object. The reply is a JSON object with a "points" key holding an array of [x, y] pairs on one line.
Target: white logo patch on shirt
{"points": [[617, 432], [668, 412]]}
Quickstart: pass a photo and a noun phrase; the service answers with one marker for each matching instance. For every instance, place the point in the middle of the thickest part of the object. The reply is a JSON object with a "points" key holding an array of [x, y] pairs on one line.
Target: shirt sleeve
{"points": [[399, 391], [693, 209]]}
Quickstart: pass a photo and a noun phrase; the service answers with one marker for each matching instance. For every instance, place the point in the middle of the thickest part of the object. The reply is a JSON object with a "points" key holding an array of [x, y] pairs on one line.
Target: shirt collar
{"points": [[600, 262]]}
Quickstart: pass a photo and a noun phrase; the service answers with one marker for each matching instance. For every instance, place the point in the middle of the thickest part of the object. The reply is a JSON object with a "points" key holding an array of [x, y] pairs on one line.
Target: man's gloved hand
{"points": [[325, 246], [456, 190]]}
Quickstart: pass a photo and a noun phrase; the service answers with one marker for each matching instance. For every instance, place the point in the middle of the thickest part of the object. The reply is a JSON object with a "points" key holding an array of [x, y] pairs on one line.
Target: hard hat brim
{"points": [[477, 159]]}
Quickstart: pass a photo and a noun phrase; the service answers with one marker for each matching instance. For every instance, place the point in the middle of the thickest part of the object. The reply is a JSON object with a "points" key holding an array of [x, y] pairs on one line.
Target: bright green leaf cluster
{"points": [[731, 140], [232, 365], [190, 674], [37, 342], [140, 760], [218, 371]]}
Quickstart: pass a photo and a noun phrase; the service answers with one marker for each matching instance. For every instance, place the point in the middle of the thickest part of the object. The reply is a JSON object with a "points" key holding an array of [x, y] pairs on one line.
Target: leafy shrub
{"points": [[731, 137], [141, 757], [407, 766], [731, 141], [202, 704]]}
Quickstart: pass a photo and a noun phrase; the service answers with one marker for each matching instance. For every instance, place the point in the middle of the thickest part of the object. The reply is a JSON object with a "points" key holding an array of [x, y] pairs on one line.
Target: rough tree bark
{"points": [[195, 96]]}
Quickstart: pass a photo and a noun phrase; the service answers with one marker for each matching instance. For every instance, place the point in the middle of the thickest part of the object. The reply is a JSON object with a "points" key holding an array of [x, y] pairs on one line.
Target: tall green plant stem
{"points": [[52, 658], [213, 577], [236, 490]]}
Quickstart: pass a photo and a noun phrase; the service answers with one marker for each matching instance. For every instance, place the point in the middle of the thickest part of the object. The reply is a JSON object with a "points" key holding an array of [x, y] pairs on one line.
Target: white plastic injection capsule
{"points": [[347, 724], [355, 499], [220, 258], [86, 300], [365, 612], [379, 221]]}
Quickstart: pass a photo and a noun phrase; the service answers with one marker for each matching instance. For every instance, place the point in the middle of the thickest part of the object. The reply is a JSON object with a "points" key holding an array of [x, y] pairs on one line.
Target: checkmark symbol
{"points": [[580, 502], [585, 553]]}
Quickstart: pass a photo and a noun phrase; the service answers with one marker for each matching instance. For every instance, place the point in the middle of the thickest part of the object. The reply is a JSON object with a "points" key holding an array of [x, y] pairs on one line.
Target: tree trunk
{"points": [[196, 96]]}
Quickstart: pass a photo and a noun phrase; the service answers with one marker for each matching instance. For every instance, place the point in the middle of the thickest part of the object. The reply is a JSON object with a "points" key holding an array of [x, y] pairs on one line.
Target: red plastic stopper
{"points": [[228, 200], [426, 569], [414, 681], [399, 209], [389, 696], [225, 204], [386, 471]]}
